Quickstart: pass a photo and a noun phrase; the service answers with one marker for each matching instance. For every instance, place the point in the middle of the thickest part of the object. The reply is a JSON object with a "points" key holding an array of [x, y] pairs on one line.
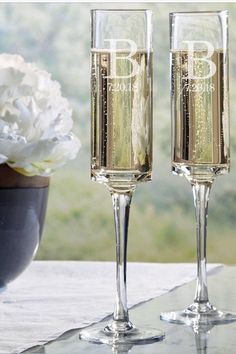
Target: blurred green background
{"points": [[79, 222]]}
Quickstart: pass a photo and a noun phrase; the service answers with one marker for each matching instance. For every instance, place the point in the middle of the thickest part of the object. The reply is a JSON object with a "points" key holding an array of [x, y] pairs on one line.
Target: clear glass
{"points": [[200, 131], [121, 140]]}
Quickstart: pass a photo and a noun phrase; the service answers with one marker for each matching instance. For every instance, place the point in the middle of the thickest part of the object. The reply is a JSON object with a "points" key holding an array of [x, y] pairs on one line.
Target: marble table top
{"points": [[54, 297], [179, 339]]}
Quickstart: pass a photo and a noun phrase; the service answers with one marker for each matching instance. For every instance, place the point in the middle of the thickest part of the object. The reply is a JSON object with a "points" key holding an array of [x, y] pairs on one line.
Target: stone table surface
{"points": [[179, 339], [53, 297]]}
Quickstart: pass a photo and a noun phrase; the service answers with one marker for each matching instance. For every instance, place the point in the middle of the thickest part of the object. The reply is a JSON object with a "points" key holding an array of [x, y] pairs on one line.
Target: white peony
{"points": [[35, 120]]}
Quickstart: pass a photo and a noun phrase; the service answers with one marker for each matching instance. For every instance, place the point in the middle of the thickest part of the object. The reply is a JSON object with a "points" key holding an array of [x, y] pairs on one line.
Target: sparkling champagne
{"points": [[200, 144], [121, 116]]}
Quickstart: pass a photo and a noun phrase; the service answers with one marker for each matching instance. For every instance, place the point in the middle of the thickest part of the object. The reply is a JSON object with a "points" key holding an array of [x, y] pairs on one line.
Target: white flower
{"points": [[35, 120]]}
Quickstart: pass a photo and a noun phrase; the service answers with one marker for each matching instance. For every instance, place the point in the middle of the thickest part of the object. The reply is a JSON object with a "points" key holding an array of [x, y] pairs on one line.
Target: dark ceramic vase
{"points": [[23, 202]]}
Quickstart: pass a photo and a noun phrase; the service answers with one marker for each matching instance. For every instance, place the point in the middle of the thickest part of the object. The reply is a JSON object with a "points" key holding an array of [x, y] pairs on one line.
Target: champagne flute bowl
{"points": [[200, 132], [121, 101]]}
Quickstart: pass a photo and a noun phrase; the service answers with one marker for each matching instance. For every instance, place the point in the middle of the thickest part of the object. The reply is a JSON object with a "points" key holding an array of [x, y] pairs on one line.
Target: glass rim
{"points": [[120, 10], [184, 13]]}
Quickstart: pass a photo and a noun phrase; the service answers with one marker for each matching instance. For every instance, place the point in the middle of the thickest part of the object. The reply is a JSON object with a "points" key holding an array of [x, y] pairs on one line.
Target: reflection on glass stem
{"points": [[201, 333], [121, 349]]}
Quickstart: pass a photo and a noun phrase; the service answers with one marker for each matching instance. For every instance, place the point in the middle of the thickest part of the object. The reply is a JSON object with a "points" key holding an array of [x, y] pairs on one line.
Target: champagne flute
{"points": [[200, 131], [121, 84]]}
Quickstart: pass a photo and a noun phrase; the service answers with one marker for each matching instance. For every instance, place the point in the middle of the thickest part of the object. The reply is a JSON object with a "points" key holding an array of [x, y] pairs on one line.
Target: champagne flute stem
{"points": [[201, 191], [201, 340], [121, 204]]}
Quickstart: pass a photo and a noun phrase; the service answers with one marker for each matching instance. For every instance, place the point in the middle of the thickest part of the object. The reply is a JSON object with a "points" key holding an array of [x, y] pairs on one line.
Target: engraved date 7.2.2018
{"points": [[121, 86]]}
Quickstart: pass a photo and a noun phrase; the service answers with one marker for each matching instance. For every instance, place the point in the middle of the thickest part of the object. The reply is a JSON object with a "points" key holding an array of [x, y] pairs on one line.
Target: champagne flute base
{"points": [[135, 336], [199, 314]]}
